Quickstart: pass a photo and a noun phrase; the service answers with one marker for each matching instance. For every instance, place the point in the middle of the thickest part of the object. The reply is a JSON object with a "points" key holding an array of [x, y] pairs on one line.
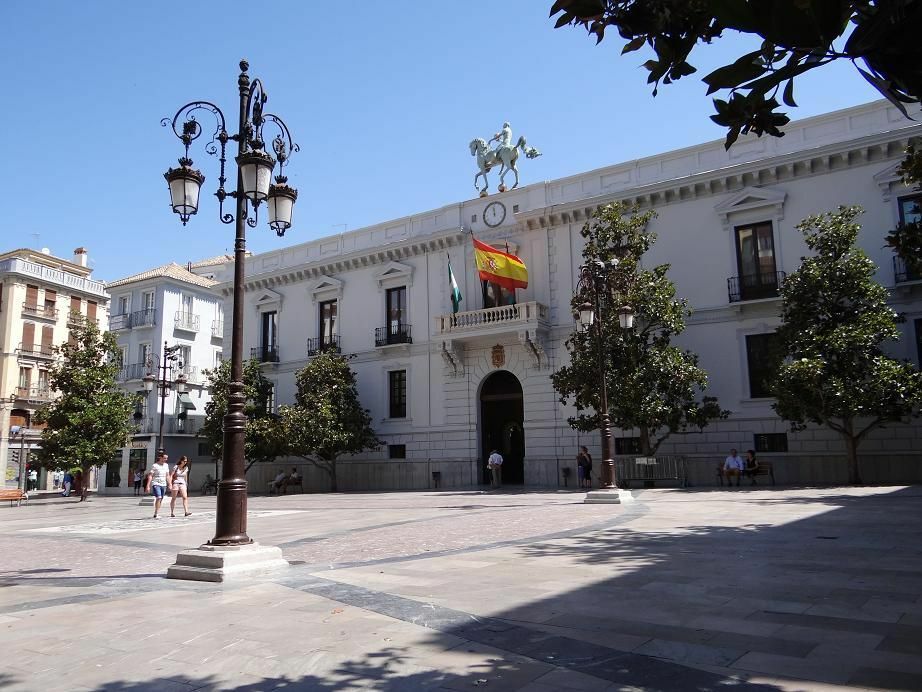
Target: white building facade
{"points": [[167, 306], [443, 389]]}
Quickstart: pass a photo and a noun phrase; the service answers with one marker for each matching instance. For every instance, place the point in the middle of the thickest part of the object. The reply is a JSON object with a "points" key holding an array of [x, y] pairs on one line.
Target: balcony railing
{"points": [[119, 322], [144, 318], [23, 267], [35, 351], [33, 394], [135, 371], [321, 344], [489, 319], [393, 334], [146, 426], [182, 426], [265, 354], [48, 312], [186, 321], [754, 286], [75, 318], [903, 274], [217, 329]]}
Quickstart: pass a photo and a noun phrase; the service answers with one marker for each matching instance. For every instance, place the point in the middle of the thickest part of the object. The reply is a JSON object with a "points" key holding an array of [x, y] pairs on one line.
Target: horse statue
{"points": [[505, 155]]}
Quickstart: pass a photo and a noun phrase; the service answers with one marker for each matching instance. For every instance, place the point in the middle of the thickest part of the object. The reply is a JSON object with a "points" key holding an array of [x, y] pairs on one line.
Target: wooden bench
{"points": [[13, 495], [272, 490], [764, 468]]}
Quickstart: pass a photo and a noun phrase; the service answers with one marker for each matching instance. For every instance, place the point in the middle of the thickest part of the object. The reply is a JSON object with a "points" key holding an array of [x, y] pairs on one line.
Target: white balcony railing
{"points": [[15, 265], [489, 319]]}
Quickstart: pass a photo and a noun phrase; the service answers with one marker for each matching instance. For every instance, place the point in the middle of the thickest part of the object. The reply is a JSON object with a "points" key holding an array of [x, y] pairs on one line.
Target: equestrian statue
{"points": [[504, 155]]}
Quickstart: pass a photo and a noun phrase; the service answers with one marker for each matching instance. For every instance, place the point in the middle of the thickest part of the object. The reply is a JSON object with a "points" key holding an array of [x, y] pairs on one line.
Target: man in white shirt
{"points": [[280, 480], [495, 464], [158, 480], [733, 466]]}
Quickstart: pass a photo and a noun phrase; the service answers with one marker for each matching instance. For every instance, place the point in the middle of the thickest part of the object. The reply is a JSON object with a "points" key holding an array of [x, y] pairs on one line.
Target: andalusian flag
{"points": [[455, 291], [500, 267]]}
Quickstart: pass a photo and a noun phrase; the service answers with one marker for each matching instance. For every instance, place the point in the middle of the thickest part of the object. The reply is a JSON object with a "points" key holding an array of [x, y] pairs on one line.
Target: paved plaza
{"points": [[769, 589]]}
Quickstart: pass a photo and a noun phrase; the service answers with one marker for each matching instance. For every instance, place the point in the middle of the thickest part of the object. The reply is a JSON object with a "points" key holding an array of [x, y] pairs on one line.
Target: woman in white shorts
{"points": [[180, 485]]}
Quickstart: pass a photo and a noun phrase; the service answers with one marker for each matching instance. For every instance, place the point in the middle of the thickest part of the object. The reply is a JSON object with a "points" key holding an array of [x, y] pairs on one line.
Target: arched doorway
{"points": [[502, 416]]}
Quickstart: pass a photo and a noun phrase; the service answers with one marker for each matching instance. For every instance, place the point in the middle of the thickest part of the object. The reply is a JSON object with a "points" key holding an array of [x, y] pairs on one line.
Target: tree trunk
{"points": [[851, 447], [645, 448], [332, 471]]}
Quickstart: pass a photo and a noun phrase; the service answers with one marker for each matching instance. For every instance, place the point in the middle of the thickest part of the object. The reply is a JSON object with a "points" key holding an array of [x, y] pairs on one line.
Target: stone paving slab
{"points": [[767, 589]]}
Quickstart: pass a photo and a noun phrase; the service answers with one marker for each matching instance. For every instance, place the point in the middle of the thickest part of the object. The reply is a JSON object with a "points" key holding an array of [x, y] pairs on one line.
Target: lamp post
{"points": [[594, 281], [254, 170], [171, 355]]}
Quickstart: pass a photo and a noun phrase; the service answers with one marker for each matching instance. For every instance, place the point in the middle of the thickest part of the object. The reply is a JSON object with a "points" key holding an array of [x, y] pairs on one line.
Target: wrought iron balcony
{"points": [[903, 274], [33, 395], [144, 318], [119, 322], [177, 425], [48, 312], [393, 334], [186, 321], [754, 286], [322, 344], [35, 351], [136, 371], [146, 426], [494, 320], [217, 329], [265, 354]]}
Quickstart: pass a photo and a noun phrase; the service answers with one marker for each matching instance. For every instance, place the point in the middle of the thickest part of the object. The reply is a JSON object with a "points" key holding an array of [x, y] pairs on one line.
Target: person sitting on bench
{"points": [[751, 469], [293, 479], [280, 481], [733, 466]]}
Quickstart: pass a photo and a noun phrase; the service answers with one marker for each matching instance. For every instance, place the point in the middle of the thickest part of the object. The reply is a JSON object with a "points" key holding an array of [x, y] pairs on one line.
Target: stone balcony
{"points": [[529, 322]]}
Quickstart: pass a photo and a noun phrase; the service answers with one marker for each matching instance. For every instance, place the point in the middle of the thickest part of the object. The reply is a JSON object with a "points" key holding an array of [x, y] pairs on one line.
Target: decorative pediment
{"points": [[326, 288], [886, 178], [268, 299], [394, 274], [752, 199]]}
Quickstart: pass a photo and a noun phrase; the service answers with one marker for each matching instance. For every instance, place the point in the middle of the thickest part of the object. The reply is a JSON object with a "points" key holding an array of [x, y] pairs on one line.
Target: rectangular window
{"points": [[918, 325], [42, 379], [495, 295], [910, 209], [28, 336], [185, 357], [188, 302], [143, 353], [123, 305], [269, 331], [763, 357], [47, 340], [91, 311], [755, 257], [396, 308], [627, 445], [218, 358], [396, 451], [770, 442], [122, 357], [327, 327], [397, 393], [75, 304], [31, 295], [25, 378], [270, 400], [51, 298]]}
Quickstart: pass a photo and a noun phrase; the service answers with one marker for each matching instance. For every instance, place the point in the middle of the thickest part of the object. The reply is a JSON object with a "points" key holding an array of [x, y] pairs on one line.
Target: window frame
{"points": [[756, 390], [397, 407]]}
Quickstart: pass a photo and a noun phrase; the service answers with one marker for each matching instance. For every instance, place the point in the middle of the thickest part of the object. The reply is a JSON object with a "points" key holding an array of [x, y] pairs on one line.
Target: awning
{"points": [[186, 401]]}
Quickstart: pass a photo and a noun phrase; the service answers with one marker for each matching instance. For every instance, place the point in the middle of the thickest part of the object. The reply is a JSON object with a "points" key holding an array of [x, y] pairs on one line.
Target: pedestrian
{"points": [[584, 462], [68, 481], [56, 480], [179, 486], [733, 466], [158, 481], [752, 465], [495, 464], [137, 481], [33, 479]]}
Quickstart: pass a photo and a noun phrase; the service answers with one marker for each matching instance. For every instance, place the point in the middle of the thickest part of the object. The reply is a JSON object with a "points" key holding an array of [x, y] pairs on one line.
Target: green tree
{"points": [[834, 319], [797, 36], [263, 442], [327, 420], [653, 386], [91, 419], [906, 238]]}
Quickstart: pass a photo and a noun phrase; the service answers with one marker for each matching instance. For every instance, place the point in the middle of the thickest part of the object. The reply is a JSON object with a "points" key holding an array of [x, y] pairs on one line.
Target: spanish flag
{"points": [[500, 267]]}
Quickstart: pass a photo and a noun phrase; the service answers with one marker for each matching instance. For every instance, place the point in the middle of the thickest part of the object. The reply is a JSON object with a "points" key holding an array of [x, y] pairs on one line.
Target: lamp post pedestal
{"points": [[219, 563], [609, 496]]}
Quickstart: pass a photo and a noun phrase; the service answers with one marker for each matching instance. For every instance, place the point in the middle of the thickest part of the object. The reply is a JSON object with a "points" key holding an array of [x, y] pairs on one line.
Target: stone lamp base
{"points": [[223, 563]]}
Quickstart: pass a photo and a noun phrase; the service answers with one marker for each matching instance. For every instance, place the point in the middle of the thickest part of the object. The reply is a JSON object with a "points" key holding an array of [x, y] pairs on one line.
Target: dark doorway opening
{"points": [[502, 416]]}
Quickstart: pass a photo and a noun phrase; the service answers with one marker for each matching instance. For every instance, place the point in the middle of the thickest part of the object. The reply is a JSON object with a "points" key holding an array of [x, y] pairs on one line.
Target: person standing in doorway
{"points": [[495, 464], [158, 480], [180, 479], [137, 481]]}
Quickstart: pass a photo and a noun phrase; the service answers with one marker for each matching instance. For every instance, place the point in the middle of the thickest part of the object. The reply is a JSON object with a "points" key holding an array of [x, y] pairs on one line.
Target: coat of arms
{"points": [[499, 356]]}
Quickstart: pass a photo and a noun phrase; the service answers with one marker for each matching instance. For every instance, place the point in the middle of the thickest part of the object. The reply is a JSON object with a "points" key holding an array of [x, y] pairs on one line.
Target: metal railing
{"points": [[144, 318], [393, 334], [217, 329], [186, 321], [135, 371], [647, 470], [513, 315], [119, 322], [265, 354], [35, 351], [33, 394], [323, 343], [16, 265], [903, 274], [182, 426], [754, 286], [45, 311]]}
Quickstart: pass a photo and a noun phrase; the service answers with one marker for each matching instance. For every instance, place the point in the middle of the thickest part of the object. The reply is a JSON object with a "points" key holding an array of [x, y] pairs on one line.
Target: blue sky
{"points": [[383, 98]]}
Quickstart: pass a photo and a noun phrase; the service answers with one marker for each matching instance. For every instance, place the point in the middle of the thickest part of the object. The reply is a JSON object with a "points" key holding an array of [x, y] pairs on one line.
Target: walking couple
{"points": [[161, 480]]}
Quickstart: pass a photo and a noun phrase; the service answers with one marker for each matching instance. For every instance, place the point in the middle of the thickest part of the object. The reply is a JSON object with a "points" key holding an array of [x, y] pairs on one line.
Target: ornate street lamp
{"points": [[594, 283], [171, 355], [254, 176]]}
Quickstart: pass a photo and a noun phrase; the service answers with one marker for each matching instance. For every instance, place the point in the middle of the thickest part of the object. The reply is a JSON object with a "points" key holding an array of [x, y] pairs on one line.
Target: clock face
{"points": [[494, 214]]}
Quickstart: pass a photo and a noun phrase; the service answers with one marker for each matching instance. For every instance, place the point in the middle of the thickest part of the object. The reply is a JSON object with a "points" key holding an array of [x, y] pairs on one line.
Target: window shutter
{"points": [[31, 295], [75, 304], [28, 335], [47, 339], [91, 310], [51, 297]]}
